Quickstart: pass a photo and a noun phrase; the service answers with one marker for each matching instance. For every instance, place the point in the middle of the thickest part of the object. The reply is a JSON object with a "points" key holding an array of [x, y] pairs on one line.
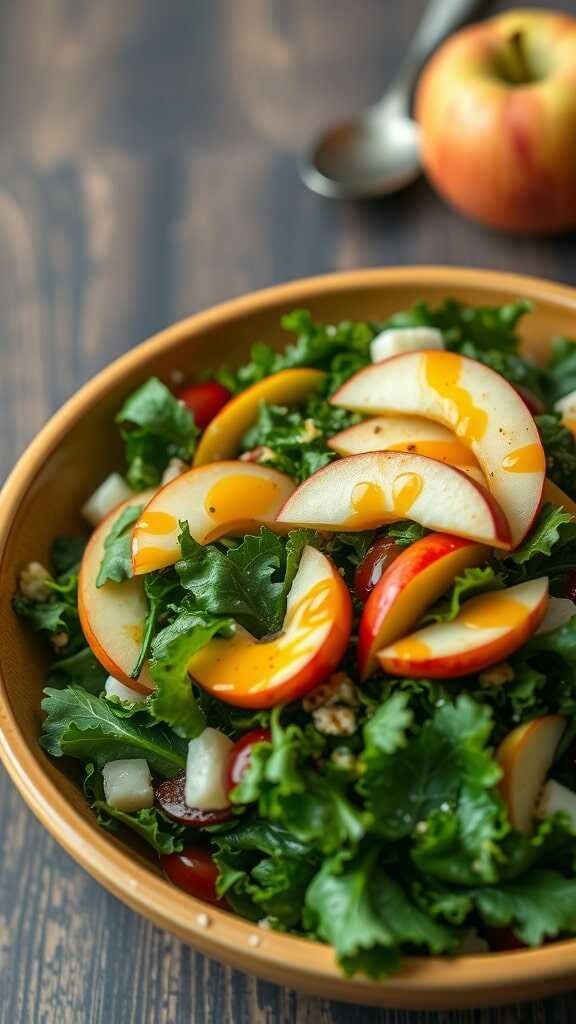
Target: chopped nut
{"points": [[33, 580], [497, 675], [173, 470], [59, 639], [310, 432], [262, 453], [334, 721], [338, 689]]}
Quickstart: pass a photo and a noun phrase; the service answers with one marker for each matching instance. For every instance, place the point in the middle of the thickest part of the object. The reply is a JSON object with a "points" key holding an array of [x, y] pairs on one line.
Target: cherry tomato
{"points": [[501, 939], [240, 756], [535, 404], [171, 798], [194, 871], [379, 556], [205, 400]]}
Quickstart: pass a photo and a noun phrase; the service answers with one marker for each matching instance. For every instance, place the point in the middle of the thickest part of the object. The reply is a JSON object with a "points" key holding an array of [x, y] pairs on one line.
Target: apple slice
{"points": [[556, 496], [407, 434], [412, 583], [483, 409], [556, 797], [221, 498], [112, 617], [525, 756], [365, 491], [487, 629], [222, 437], [262, 673]]}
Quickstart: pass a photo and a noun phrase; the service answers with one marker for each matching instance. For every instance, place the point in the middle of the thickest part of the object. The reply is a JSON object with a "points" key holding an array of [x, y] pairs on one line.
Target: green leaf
{"points": [[553, 526], [284, 780], [560, 447], [485, 327], [406, 533], [116, 562], [80, 669], [294, 440], [385, 731], [264, 870], [540, 905], [173, 700], [249, 582], [80, 725], [340, 349], [561, 369], [66, 553], [444, 767], [57, 614], [367, 916], [164, 595], [469, 584], [150, 824], [157, 427]]}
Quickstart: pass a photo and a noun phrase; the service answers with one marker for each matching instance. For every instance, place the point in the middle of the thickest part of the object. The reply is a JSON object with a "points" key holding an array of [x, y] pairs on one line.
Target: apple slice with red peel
{"points": [[112, 616], [223, 435], [525, 757], [412, 583], [217, 499], [482, 408], [262, 673], [407, 434], [487, 629], [365, 491]]}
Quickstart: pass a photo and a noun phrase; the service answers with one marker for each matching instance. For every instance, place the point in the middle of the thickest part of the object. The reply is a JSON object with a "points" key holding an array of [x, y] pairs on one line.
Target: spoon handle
{"points": [[440, 18]]}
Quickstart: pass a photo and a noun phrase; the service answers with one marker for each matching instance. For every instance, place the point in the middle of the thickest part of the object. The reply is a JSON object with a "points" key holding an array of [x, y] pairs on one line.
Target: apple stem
{"points": [[515, 60]]}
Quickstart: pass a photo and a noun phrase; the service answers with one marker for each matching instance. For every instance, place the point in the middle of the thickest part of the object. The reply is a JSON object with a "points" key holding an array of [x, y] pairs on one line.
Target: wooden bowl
{"points": [[76, 449]]}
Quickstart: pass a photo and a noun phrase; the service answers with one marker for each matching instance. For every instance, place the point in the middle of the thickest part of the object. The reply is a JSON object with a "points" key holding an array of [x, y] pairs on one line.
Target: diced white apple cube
{"points": [[111, 492], [114, 688], [128, 784], [206, 767], [567, 405], [395, 340], [559, 611], [556, 797]]}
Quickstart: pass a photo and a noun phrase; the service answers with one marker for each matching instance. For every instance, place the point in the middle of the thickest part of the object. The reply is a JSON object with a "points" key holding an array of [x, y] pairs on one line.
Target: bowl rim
{"points": [[279, 957]]}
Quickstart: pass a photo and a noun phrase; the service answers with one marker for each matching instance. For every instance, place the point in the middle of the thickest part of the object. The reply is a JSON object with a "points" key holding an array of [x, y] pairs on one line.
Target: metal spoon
{"points": [[378, 150]]}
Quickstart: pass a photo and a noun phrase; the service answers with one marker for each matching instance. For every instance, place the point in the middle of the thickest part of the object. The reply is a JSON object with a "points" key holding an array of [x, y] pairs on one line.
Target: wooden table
{"points": [[147, 170]]}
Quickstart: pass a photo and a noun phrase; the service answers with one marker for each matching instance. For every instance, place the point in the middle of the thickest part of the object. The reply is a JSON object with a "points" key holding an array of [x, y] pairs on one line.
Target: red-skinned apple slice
{"points": [[112, 616], [407, 434], [217, 499], [487, 629], [262, 673], [410, 585], [482, 408], [365, 491], [525, 757]]}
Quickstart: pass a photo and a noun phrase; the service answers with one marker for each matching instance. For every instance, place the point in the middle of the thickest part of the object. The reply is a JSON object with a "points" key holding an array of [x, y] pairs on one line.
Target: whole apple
{"points": [[497, 111]]}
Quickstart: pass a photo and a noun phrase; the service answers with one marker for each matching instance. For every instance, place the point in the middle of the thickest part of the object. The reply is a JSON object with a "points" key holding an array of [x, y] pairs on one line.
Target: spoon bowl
{"points": [[364, 157], [378, 151]]}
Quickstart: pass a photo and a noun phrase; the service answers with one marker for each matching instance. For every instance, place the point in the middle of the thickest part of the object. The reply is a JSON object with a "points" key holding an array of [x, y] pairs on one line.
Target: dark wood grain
{"points": [[148, 169]]}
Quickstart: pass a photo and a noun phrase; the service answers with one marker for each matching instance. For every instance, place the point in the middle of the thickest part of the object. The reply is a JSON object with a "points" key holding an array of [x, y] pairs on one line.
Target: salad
{"points": [[319, 650]]}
